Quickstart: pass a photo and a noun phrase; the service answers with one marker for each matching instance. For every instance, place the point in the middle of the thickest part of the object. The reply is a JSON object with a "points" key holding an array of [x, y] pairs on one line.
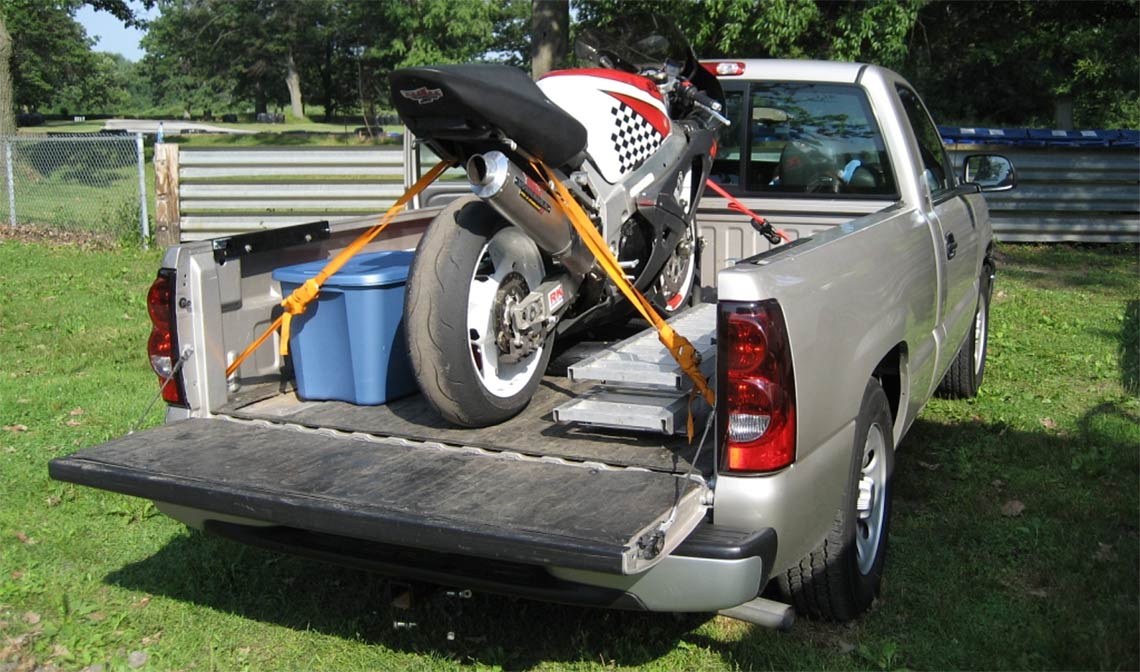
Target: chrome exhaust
{"points": [[527, 204]]}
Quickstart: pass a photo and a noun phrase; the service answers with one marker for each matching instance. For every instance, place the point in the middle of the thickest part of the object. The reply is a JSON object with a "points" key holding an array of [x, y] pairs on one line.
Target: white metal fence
{"points": [[1078, 194], [209, 192], [83, 183], [1084, 194]]}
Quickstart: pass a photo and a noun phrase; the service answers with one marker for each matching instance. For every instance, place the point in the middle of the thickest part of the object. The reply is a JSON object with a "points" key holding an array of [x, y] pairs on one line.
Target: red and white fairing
{"points": [[624, 114]]}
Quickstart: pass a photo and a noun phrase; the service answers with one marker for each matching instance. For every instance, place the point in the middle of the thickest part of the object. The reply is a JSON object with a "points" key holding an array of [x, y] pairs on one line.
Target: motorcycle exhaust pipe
{"points": [[527, 204]]}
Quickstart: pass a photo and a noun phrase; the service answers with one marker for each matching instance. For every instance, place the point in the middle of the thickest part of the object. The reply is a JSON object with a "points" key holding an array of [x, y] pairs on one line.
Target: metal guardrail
{"points": [[1065, 194], [203, 193], [1083, 194]]}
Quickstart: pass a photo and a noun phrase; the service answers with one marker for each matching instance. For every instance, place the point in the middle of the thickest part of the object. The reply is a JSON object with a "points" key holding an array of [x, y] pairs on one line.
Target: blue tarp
{"points": [[1038, 137]]}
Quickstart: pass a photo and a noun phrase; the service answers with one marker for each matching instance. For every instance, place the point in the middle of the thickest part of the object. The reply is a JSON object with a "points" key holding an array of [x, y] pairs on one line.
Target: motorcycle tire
{"points": [[468, 257]]}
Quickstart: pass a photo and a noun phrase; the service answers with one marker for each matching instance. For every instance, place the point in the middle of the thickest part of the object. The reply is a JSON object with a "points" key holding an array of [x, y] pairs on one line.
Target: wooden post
{"points": [[167, 212]]}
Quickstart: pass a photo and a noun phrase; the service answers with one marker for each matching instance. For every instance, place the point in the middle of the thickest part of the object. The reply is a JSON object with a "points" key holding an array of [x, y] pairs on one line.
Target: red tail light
{"points": [[724, 68], [756, 412], [163, 344]]}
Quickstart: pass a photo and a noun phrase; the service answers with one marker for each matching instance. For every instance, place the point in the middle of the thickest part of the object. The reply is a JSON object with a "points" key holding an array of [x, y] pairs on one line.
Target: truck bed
{"points": [[527, 491], [533, 432]]}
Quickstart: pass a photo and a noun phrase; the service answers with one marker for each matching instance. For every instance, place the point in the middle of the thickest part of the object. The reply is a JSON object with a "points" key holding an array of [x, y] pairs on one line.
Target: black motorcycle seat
{"points": [[454, 101]]}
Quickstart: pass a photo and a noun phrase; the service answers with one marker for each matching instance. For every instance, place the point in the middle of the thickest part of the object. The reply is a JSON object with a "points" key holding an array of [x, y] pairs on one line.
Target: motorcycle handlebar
{"points": [[697, 98]]}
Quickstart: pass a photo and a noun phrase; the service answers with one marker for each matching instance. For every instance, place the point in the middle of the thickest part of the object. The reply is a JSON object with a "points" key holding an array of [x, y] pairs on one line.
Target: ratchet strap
{"points": [[300, 298], [678, 346], [762, 225]]}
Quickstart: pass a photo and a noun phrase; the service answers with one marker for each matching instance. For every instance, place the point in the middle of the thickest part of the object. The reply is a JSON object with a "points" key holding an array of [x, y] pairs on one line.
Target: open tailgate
{"points": [[421, 495]]}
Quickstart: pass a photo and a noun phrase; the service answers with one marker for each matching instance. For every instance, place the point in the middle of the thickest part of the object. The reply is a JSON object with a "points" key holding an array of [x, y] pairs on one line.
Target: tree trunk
{"points": [[260, 103], [7, 96], [549, 21], [327, 84], [293, 82]]}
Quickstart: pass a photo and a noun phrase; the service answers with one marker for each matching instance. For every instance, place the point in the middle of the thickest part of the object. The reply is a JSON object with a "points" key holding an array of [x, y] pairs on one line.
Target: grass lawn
{"points": [[93, 126], [1014, 541]]}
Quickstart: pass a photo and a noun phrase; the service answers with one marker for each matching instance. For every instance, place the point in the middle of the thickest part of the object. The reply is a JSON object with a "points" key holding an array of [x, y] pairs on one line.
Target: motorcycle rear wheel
{"points": [[467, 261], [680, 276]]}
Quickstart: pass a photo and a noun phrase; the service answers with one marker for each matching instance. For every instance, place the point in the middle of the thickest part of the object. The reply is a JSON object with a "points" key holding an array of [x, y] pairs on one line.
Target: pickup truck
{"points": [[826, 350]]}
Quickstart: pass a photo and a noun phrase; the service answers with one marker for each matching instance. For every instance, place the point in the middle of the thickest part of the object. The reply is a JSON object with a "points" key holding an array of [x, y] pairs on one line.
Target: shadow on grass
{"points": [[1033, 533], [1052, 585], [353, 604], [1070, 266]]}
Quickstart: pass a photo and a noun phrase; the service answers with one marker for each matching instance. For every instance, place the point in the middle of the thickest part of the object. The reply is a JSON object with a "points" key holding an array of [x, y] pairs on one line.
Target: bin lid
{"points": [[363, 270]]}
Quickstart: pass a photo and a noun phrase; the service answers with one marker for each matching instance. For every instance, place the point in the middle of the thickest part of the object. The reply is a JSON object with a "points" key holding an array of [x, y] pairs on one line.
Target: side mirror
{"points": [[990, 172]]}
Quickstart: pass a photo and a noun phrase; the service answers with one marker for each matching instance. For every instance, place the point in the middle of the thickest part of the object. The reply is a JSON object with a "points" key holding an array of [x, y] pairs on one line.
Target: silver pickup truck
{"points": [[826, 348]]}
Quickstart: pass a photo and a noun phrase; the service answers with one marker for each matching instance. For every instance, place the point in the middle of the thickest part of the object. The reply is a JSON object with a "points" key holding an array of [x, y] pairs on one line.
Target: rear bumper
{"points": [[713, 569]]}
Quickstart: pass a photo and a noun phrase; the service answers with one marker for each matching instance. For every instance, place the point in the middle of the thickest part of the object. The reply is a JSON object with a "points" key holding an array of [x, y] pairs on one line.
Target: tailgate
{"points": [[423, 495]]}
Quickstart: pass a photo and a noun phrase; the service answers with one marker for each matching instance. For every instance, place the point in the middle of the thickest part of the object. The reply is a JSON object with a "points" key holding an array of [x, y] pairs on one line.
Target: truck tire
{"points": [[467, 261], [842, 576], [964, 378]]}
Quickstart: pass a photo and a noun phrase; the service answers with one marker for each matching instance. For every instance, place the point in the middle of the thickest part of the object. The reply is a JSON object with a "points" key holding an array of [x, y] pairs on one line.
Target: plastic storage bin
{"points": [[349, 344]]}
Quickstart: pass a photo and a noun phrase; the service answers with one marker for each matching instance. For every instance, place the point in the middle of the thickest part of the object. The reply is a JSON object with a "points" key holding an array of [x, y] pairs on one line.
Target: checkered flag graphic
{"points": [[635, 139]]}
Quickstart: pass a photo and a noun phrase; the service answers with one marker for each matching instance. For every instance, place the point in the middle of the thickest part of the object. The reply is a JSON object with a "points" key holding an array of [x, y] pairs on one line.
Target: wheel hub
{"points": [[675, 273], [870, 502], [514, 345], [866, 497]]}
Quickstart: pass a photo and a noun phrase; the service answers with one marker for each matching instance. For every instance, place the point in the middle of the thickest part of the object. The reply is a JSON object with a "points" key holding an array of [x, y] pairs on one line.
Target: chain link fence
{"points": [[86, 184]]}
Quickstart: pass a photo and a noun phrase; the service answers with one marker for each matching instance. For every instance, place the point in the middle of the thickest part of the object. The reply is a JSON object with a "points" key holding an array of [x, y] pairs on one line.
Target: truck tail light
{"points": [[162, 347], [756, 415], [724, 68]]}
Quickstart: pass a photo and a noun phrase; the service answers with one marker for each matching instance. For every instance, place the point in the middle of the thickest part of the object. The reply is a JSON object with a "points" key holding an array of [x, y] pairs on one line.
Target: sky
{"points": [[113, 36]]}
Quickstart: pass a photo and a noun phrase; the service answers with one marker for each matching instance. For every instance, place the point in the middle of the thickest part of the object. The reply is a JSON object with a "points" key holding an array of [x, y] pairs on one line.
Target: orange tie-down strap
{"points": [[299, 299], [678, 346]]}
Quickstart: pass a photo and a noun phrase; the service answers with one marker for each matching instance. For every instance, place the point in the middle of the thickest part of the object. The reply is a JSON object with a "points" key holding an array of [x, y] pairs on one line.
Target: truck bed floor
{"points": [[532, 432]]}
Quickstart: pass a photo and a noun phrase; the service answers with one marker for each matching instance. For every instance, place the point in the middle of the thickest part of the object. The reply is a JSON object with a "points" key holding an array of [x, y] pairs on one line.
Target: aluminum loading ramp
{"points": [[640, 386]]}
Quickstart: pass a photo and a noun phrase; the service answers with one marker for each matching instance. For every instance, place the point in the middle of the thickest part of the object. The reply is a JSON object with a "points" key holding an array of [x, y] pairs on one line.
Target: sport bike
{"points": [[499, 274]]}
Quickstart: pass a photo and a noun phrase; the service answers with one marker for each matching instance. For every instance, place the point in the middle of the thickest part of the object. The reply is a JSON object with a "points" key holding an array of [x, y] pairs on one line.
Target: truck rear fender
{"points": [[892, 375], [857, 299]]}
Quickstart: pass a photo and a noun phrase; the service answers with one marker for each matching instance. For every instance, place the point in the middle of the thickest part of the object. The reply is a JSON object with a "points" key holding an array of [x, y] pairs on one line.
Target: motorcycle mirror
{"points": [[585, 51]]}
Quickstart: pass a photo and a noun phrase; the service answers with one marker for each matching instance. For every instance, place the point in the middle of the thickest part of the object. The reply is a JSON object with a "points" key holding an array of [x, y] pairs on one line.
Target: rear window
{"points": [[802, 138]]}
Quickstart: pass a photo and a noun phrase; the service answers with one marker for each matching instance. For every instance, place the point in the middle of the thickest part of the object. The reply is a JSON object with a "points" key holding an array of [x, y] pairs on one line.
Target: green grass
{"points": [[93, 126], [90, 577], [274, 135], [86, 197]]}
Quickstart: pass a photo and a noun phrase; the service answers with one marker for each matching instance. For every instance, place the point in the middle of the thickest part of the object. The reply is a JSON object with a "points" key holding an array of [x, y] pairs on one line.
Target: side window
{"points": [[935, 165]]}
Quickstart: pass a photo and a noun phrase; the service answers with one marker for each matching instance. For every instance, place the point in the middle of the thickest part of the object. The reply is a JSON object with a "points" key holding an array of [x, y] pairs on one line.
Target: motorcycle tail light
{"points": [[162, 346], [756, 386]]}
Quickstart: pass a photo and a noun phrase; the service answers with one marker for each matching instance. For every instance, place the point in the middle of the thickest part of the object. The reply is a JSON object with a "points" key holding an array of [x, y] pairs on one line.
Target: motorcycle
{"points": [[500, 274]]}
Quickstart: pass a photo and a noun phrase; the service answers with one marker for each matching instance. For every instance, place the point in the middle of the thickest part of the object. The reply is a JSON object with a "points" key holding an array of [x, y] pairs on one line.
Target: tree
{"points": [[201, 52], [43, 67], [550, 27], [50, 52], [1013, 63], [876, 30], [7, 100]]}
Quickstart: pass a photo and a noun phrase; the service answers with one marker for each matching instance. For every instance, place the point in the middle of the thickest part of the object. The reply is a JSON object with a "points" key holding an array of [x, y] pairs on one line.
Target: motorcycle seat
{"points": [[464, 102]]}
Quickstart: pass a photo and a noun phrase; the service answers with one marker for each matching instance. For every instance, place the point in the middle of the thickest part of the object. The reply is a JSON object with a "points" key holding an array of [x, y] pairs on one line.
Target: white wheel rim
{"points": [[509, 251], [980, 336], [871, 499], [673, 302]]}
